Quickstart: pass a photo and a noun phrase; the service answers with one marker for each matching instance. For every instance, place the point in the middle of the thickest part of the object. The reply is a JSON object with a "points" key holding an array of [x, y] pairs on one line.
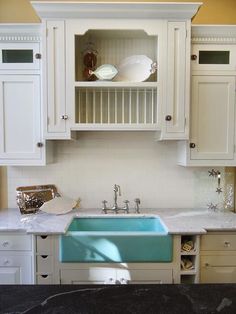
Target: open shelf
{"points": [[189, 258]]}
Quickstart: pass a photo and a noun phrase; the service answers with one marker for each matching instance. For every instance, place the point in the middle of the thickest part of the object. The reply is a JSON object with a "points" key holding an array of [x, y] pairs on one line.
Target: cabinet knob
{"points": [[38, 56], [226, 244], [64, 117], [207, 264], [6, 262], [168, 118], [123, 281], [192, 145], [5, 244], [193, 57], [39, 144]]}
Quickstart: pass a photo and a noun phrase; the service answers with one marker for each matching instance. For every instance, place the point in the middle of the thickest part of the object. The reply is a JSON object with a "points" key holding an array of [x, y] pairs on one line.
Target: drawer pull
{"points": [[5, 244], [207, 264], [226, 244], [6, 262], [124, 281], [44, 236], [44, 276], [44, 256]]}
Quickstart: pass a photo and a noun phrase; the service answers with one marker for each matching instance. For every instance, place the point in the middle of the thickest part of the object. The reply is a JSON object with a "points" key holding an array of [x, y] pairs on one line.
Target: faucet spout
{"points": [[116, 190]]}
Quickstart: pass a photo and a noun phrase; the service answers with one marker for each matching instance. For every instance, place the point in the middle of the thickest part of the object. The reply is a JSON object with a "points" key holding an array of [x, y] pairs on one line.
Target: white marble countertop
{"points": [[178, 221]]}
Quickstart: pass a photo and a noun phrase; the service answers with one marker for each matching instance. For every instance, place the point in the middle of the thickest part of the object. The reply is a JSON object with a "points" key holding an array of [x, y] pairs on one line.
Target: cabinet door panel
{"points": [[144, 276], [177, 102], [20, 128], [55, 67], [212, 117], [93, 275], [10, 275], [218, 274], [16, 268]]}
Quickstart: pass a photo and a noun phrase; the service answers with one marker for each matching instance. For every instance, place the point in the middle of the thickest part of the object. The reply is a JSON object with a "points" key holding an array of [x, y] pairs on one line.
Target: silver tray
{"points": [[30, 198]]}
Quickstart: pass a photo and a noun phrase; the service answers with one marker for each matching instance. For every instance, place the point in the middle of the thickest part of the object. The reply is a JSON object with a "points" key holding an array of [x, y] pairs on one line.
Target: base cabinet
{"points": [[15, 269], [113, 275], [16, 259], [218, 258]]}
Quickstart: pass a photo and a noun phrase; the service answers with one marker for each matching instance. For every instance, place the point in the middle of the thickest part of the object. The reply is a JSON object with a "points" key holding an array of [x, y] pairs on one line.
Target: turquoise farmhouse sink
{"points": [[116, 239]]}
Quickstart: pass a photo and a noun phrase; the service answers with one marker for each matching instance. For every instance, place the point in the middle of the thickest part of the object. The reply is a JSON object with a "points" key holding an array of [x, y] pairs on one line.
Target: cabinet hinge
{"points": [[46, 32], [186, 33], [234, 148]]}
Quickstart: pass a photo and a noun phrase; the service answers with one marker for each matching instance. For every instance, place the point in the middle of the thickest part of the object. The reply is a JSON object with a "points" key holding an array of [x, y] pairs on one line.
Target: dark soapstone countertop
{"points": [[119, 299]]}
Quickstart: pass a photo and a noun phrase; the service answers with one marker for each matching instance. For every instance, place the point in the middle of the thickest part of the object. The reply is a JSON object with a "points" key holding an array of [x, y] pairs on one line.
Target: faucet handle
{"points": [[104, 207], [126, 207], [137, 203]]}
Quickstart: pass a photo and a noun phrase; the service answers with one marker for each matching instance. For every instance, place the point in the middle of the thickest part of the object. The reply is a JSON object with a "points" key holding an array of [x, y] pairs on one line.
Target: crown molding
{"points": [[74, 9], [20, 32], [213, 34]]}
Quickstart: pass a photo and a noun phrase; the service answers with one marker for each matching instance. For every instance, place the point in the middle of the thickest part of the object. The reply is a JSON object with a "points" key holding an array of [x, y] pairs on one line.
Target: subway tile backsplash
{"points": [[89, 167]]}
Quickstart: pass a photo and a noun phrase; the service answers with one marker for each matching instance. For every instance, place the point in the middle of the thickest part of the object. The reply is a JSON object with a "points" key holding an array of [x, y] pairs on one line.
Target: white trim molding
{"points": [[74, 9], [214, 34], [20, 32]]}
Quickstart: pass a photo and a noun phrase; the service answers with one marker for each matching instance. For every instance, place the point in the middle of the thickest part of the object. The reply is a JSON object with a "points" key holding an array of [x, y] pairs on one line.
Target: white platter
{"points": [[58, 206], [136, 68]]}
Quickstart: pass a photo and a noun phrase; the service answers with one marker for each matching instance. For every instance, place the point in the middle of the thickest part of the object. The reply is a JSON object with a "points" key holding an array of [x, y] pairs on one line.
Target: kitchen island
{"points": [[81, 299]]}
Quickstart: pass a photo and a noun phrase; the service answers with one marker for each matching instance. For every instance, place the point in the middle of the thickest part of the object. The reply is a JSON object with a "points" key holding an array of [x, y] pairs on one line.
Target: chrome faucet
{"points": [[115, 208], [116, 190], [137, 207]]}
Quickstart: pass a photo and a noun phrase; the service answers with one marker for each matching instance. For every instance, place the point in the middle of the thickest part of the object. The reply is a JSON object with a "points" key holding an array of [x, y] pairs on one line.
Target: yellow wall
{"points": [[211, 12], [3, 187]]}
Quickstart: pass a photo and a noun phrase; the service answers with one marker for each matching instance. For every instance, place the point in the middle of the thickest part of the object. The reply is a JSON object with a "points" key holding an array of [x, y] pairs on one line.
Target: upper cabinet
{"points": [[21, 138], [147, 43], [213, 86]]}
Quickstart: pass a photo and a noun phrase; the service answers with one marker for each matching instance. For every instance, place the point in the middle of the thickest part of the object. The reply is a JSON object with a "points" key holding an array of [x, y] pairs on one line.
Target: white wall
{"points": [[89, 167]]}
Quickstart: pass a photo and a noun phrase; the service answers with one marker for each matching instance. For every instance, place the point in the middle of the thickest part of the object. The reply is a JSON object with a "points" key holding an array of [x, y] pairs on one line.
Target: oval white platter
{"points": [[136, 68]]}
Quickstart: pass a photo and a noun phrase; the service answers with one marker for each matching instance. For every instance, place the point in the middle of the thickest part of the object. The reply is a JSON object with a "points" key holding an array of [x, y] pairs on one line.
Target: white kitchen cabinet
{"points": [[218, 258], [16, 259], [20, 128], [49, 270], [176, 116], [212, 118], [21, 139], [56, 118], [118, 31], [213, 84], [44, 259], [115, 275]]}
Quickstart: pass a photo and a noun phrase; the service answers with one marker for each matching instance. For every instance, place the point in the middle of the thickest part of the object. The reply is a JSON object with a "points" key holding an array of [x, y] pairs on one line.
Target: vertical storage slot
{"points": [[116, 106]]}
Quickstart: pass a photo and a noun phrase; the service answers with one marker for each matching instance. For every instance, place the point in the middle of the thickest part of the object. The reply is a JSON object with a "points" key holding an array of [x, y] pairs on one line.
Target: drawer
{"points": [[44, 263], [44, 279], [44, 244], [15, 242], [218, 242]]}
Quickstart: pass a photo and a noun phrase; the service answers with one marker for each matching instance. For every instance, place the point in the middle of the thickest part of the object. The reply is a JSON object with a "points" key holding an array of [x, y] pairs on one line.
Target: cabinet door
{"points": [[177, 104], [15, 269], [212, 123], [213, 57], [56, 121], [144, 276], [92, 275], [20, 120], [218, 269], [20, 56]]}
